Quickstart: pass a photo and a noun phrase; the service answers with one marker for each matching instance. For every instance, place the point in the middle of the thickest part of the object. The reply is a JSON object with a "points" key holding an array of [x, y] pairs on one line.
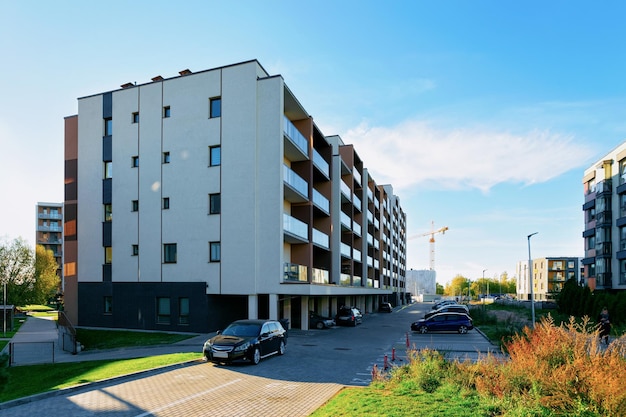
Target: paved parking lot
{"points": [[317, 364]]}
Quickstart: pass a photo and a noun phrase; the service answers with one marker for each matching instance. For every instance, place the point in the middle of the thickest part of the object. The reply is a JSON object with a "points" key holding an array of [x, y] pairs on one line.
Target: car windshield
{"points": [[242, 329]]}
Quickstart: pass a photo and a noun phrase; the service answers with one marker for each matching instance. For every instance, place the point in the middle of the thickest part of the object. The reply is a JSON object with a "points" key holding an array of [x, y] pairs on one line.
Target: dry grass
{"points": [[563, 368]]}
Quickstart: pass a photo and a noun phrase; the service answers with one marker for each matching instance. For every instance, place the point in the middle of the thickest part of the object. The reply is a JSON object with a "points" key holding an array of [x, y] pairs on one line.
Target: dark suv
{"points": [[348, 316]]}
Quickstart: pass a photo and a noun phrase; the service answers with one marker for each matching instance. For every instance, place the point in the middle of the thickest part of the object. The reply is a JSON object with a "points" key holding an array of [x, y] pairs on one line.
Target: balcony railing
{"points": [[321, 163], [356, 254], [346, 250], [356, 281], [295, 227], [320, 201], [345, 220], [344, 280], [345, 190], [321, 239], [295, 273], [357, 176], [295, 181], [296, 137], [320, 276], [50, 216]]}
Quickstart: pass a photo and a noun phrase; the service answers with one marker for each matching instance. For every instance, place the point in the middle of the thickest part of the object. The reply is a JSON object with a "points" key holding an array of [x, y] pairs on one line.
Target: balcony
{"points": [[321, 239], [320, 163], [296, 188], [346, 222], [357, 176], [320, 276], [295, 230], [295, 273], [345, 191], [356, 254], [321, 202], [344, 280], [296, 147], [346, 250], [53, 216]]}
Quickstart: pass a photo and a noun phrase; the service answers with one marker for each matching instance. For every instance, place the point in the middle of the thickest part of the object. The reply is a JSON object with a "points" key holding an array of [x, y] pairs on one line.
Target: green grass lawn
{"points": [[113, 339]]}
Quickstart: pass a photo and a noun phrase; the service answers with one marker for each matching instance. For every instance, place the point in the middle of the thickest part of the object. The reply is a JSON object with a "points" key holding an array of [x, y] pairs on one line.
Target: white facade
{"points": [[285, 206]]}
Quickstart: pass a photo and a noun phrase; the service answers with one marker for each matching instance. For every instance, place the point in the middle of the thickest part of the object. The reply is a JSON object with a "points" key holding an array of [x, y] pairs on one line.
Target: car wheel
{"points": [[281, 348], [354, 323], [256, 356], [463, 329], [423, 329], [319, 325]]}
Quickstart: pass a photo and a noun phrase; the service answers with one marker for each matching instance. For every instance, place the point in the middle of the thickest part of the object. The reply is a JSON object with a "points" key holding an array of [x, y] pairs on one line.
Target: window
{"points": [[108, 303], [166, 157], [163, 310], [215, 155], [135, 250], [183, 310], [108, 255], [108, 170], [215, 203], [166, 111], [135, 205], [135, 161], [136, 117], [169, 253], [108, 212], [108, 127], [166, 203], [215, 106], [215, 252]]}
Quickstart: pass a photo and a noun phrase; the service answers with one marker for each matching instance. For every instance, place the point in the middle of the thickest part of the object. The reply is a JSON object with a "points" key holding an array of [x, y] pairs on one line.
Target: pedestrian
{"points": [[605, 325]]}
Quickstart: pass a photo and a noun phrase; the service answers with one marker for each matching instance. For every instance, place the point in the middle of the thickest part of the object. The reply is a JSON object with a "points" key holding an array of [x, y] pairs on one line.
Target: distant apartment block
{"points": [[549, 276], [604, 185], [49, 230], [211, 196]]}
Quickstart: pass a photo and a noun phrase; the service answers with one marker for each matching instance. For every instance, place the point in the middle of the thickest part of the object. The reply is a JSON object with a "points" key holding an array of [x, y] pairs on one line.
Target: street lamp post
{"points": [[484, 295], [530, 280]]}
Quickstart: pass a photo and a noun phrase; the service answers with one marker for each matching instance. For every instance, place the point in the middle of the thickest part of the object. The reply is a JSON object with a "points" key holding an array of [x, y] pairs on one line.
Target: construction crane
{"points": [[432, 233]]}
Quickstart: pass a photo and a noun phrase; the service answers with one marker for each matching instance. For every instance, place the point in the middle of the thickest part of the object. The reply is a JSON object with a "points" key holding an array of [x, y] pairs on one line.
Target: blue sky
{"points": [[483, 115]]}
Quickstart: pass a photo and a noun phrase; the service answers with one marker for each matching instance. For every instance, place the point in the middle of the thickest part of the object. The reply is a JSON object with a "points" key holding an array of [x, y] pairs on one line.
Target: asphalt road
{"points": [[317, 364]]}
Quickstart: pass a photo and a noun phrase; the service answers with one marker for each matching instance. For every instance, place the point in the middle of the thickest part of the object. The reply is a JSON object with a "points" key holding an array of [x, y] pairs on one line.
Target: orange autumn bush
{"points": [[563, 368]]}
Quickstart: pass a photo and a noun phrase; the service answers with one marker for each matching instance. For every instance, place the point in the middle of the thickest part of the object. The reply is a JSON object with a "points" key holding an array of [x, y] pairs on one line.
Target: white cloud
{"points": [[415, 153]]}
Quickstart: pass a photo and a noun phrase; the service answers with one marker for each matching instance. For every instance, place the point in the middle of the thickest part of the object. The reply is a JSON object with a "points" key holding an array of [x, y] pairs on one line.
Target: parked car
{"points": [[450, 308], [319, 322], [250, 340], [442, 303], [385, 308], [444, 322], [348, 316]]}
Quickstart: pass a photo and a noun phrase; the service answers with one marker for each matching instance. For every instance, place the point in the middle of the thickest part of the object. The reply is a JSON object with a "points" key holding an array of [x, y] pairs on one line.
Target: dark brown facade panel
{"points": [[71, 137]]}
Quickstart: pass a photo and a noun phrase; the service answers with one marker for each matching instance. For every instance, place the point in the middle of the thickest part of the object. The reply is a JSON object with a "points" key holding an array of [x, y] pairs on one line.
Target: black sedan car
{"points": [[320, 322], [349, 316], [250, 340], [385, 308], [444, 322]]}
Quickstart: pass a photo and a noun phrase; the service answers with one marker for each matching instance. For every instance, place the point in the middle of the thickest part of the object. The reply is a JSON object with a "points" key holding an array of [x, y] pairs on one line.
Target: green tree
{"points": [[47, 282], [17, 271]]}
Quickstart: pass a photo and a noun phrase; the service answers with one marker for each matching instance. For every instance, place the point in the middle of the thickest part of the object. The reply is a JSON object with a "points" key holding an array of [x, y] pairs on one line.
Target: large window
{"points": [[169, 253], [108, 127], [183, 310], [108, 170], [215, 251], [215, 203], [215, 155], [215, 105], [108, 212], [163, 310]]}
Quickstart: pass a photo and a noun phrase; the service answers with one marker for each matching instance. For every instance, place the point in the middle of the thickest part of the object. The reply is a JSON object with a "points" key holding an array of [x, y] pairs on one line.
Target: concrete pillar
{"points": [[304, 312], [253, 306], [273, 300]]}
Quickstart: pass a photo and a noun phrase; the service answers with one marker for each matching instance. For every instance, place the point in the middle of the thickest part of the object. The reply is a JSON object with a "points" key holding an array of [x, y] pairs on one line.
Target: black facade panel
{"points": [[106, 272], [134, 306], [589, 205], [107, 149], [589, 232], [620, 254], [620, 222], [621, 189], [107, 105], [107, 233], [107, 191]]}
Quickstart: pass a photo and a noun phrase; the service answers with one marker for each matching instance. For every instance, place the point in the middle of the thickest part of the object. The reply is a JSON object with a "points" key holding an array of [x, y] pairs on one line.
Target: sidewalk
{"points": [[37, 341]]}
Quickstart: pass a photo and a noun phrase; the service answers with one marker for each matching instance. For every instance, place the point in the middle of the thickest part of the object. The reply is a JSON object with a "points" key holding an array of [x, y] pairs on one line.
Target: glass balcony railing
{"points": [[357, 176], [346, 250], [345, 220], [356, 254], [370, 283], [295, 227], [295, 181], [320, 276], [370, 195], [296, 137], [356, 228], [356, 281], [295, 273], [356, 201], [344, 279], [320, 201], [370, 261], [345, 189], [321, 163], [321, 239]]}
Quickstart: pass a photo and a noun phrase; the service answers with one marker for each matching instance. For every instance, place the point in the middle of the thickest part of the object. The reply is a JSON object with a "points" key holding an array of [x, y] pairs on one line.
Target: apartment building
{"points": [[49, 230], [226, 202], [604, 185], [549, 276]]}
